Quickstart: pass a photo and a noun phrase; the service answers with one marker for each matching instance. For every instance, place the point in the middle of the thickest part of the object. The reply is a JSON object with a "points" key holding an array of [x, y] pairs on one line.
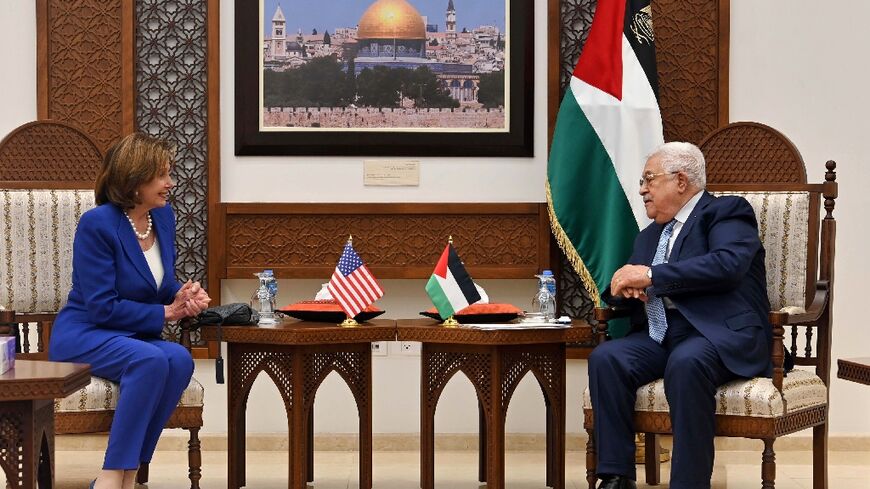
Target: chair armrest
{"points": [[611, 312], [604, 314], [780, 319], [777, 348], [814, 312], [186, 325]]}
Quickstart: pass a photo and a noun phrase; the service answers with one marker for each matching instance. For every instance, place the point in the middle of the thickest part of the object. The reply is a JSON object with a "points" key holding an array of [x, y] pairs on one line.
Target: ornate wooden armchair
{"points": [[762, 165], [47, 170]]}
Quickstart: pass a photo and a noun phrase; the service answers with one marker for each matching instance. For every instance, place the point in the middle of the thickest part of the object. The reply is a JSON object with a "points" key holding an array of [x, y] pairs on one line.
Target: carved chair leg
{"points": [[652, 459], [591, 462], [142, 474], [194, 458], [768, 465], [820, 457]]}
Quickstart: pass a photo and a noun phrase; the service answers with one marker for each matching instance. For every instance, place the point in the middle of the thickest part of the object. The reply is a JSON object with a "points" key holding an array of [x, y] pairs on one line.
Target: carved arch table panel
{"points": [[854, 369], [494, 362], [297, 356], [27, 395]]}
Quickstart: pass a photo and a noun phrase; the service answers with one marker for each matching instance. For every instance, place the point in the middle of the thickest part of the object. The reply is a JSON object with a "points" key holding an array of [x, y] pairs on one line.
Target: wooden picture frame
{"points": [[258, 133]]}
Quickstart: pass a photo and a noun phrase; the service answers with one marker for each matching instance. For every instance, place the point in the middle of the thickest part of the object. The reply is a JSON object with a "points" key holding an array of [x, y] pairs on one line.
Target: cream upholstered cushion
{"points": [[783, 226], [36, 238], [102, 395], [755, 397]]}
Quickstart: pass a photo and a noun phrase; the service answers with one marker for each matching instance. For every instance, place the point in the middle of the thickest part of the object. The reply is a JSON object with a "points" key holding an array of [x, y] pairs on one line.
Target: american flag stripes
{"points": [[352, 285]]}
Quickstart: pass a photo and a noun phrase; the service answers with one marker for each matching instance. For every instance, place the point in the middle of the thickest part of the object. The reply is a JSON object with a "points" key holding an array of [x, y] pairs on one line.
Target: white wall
{"points": [[802, 68], [798, 69], [18, 59]]}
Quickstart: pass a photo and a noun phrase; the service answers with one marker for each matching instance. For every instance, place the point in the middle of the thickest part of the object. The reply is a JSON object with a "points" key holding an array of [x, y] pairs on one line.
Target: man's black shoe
{"points": [[618, 482]]}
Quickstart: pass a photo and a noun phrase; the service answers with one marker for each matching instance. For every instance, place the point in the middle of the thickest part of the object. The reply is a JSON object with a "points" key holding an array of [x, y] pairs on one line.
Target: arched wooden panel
{"points": [[749, 152], [50, 155]]}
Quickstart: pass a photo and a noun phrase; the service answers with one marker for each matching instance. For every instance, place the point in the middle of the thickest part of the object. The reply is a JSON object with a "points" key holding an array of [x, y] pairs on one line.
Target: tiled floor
{"points": [[458, 470]]}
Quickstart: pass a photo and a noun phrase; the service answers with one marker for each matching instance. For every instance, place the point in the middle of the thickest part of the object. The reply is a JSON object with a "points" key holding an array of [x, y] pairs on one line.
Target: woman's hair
{"points": [[134, 160]]}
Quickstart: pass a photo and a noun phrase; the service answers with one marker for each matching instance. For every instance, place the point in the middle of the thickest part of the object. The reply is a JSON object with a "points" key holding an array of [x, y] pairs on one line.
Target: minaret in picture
{"points": [[451, 20], [279, 33]]}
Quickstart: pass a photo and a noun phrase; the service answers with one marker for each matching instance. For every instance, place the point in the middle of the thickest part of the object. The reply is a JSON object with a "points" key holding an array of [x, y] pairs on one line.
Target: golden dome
{"points": [[391, 19]]}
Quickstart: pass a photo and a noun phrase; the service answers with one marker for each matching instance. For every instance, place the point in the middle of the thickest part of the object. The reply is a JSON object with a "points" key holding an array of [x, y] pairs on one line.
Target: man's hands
{"points": [[190, 300], [630, 281]]}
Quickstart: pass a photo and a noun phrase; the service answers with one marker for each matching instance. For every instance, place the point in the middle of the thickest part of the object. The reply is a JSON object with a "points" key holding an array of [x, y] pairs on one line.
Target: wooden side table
{"points": [[27, 395], [854, 369], [297, 356], [494, 361]]}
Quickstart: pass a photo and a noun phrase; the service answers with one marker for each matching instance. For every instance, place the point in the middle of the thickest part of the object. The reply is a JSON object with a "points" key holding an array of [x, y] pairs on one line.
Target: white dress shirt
{"points": [[681, 218], [152, 256]]}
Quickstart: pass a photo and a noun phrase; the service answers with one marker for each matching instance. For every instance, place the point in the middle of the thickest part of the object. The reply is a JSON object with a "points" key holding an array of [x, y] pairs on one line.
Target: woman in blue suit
{"points": [[123, 291]]}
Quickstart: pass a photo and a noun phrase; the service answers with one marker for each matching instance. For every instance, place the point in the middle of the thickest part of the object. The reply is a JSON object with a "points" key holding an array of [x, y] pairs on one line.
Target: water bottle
{"points": [[265, 300], [544, 301], [271, 283], [550, 280]]}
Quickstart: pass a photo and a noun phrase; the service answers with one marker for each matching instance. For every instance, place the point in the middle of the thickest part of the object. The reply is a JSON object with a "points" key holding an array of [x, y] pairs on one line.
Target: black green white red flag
{"points": [[609, 121], [450, 287]]}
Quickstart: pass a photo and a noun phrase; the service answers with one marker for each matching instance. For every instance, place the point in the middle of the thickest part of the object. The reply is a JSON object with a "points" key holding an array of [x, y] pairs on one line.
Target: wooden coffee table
{"points": [[297, 356], [854, 369], [27, 395], [494, 361]]}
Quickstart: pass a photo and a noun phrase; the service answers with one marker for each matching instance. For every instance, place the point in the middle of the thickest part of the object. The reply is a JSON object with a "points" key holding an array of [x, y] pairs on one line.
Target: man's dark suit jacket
{"points": [[715, 277]]}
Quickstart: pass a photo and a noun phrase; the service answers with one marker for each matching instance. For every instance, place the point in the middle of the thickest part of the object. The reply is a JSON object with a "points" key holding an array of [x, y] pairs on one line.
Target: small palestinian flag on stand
{"points": [[450, 288]]}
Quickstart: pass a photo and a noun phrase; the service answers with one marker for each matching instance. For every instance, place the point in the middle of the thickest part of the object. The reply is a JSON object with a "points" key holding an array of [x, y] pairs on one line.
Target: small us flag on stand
{"points": [[352, 285]]}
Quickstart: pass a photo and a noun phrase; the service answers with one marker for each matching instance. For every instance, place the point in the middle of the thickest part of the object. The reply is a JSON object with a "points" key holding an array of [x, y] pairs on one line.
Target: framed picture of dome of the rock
{"points": [[384, 77]]}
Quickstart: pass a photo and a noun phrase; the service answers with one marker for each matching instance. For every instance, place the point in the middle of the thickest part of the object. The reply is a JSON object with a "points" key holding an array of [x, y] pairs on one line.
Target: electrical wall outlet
{"points": [[411, 348], [379, 348]]}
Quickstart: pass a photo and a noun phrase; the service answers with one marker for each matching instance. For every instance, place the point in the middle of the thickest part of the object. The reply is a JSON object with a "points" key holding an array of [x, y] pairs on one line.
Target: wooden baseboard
{"points": [[176, 440]]}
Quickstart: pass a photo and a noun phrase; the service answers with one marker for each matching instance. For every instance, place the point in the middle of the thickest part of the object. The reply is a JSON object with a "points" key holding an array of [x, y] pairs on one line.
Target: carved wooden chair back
{"points": [[761, 164]]}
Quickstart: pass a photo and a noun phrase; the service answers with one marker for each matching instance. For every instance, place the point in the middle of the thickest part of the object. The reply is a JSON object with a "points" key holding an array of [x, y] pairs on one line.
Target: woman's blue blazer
{"points": [[113, 290]]}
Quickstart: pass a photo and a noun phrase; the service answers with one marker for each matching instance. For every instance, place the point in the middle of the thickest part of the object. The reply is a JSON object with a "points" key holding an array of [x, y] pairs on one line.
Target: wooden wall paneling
{"points": [[395, 240], [85, 66], [215, 225], [565, 41], [692, 39], [172, 103]]}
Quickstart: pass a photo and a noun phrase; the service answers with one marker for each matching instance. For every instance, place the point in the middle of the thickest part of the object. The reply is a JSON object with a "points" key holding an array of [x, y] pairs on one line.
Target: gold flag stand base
{"points": [[450, 323], [349, 323]]}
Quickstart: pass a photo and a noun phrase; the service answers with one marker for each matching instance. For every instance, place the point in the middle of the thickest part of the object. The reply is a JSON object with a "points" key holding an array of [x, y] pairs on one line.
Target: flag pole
{"points": [[349, 322], [450, 322]]}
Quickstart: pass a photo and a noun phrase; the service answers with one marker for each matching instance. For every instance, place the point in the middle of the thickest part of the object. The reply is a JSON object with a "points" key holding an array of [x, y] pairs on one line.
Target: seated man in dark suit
{"points": [[696, 283]]}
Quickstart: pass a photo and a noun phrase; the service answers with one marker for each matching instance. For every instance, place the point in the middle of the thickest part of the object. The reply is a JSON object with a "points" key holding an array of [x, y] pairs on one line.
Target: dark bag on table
{"points": [[235, 314]]}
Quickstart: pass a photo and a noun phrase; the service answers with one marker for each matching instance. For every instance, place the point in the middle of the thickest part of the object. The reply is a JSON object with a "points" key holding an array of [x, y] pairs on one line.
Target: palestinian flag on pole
{"points": [[608, 123], [450, 287]]}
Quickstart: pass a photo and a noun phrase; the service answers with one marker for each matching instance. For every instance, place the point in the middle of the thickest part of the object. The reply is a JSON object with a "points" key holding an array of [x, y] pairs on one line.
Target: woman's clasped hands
{"points": [[190, 300]]}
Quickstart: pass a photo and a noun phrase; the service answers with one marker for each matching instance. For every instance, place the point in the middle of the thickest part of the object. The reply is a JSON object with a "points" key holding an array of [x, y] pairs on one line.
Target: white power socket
{"points": [[379, 348], [410, 348]]}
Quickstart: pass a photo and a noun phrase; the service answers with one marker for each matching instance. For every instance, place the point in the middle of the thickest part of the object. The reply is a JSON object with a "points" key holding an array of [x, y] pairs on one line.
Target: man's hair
{"points": [[684, 157], [134, 160]]}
